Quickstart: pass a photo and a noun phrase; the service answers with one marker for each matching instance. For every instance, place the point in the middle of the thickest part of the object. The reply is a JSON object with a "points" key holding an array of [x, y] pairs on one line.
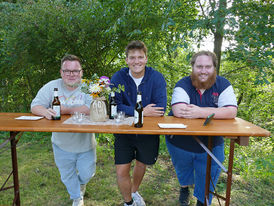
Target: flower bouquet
{"points": [[99, 89]]}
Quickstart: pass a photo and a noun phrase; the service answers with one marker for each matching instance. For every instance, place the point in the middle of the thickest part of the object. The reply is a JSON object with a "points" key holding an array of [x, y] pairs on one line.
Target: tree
{"points": [[246, 24], [36, 34]]}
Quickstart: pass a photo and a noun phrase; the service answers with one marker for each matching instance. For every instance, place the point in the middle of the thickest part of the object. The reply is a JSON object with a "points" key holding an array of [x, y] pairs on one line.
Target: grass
{"points": [[40, 182]]}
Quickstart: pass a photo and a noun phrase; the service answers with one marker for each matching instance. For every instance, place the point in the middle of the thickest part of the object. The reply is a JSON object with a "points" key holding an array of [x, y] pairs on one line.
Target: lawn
{"points": [[40, 182]]}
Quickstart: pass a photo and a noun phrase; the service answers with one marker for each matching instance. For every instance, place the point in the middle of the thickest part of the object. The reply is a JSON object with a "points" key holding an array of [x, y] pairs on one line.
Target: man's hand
{"points": [[189, 111], [192, 111], [151, 110], [42, 111], [48, 113]]}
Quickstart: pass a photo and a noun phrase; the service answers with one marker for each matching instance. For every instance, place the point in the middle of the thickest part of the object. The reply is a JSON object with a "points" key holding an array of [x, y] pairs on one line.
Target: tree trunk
{"points": [[218, 41], [219, 32]]}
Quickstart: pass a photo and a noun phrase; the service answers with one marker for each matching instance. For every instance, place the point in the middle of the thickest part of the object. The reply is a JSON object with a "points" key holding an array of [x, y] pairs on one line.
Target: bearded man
{"points": [[197, 96]]}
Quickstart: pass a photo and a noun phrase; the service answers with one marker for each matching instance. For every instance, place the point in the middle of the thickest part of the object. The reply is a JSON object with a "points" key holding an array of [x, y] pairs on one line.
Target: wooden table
{"points": [[237, 130]]}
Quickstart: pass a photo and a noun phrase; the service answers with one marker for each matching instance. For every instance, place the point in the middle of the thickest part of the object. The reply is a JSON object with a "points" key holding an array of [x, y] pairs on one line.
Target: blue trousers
{"points": [[75, 168], [190, 168]]}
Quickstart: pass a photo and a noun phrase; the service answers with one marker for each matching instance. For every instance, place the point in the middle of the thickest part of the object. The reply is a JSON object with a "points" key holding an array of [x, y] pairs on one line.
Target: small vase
{"points": [[98, 110]]}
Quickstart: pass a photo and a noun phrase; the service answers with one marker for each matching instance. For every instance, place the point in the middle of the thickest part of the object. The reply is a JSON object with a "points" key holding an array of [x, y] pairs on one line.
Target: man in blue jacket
{"points": [[144, 148]]}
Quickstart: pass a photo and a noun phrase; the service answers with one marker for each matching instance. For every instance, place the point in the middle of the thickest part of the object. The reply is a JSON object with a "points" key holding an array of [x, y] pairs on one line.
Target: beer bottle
{"points": [[112, 106], [138, 112], [56, 105]]}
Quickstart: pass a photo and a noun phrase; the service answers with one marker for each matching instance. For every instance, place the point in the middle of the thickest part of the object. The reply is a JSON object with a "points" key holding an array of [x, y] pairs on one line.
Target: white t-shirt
{"points": [[136, 80], [70, 142]]}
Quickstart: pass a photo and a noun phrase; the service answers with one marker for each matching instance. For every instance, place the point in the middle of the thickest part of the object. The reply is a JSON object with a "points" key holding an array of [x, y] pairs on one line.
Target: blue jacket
{"points": [[152, 87]]}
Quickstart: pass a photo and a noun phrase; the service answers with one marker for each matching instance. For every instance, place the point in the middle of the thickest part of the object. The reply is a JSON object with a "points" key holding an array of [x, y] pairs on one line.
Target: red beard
{"points": [[203, 85]]}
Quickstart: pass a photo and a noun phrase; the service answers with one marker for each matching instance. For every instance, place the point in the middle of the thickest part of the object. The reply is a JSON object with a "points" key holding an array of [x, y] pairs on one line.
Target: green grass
{"points": [[40, 182]]}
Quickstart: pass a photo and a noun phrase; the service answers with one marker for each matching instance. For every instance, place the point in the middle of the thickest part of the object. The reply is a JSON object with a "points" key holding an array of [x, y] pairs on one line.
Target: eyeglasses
{"points": [[74, 72]]}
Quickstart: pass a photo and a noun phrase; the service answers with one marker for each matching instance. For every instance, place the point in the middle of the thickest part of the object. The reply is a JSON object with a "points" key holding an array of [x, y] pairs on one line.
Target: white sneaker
{"points": [[138, 199], [82, 190], [78, 202], [133, 204]]}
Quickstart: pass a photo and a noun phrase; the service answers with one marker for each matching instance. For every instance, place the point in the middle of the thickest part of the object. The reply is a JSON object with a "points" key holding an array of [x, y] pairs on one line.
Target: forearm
{"points": [[38, 110], [41, 111], [192, 111], [70, 110], [220, 113]]}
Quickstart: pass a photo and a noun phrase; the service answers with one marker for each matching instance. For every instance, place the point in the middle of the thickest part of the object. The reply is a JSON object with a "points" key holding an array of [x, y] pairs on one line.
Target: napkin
{"points": [[29, 118], [172, 125]]}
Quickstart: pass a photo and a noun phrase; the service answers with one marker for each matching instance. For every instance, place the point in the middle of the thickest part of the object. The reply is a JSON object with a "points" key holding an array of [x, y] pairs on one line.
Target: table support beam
{"points": [[208, 172], [13, 143], [229, 172], [210, 156]]}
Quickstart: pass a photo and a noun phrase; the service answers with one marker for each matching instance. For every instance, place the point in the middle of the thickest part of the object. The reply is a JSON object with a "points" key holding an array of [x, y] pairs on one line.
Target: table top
{"points": [[232, 127]]}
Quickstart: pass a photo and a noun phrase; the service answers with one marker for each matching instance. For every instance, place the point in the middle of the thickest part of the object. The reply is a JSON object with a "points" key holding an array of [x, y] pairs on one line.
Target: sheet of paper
{"points": [[172, 125], [29, 118]]}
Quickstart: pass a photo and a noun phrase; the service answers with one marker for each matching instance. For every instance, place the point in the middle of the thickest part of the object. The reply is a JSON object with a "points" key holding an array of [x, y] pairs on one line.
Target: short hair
{"points": [[70, 57], [136, 44], [206, 53]]}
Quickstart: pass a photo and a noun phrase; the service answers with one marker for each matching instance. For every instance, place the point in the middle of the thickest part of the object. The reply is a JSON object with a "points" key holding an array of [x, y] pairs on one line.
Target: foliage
{"points": [[255, 101], [245, 24], [253, 36], [35, 36], [254, 161]]}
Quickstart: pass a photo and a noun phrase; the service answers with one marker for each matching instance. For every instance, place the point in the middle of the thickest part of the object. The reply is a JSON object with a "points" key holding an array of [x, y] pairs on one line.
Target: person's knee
{"points": [[86, 173], [140, 165], [122, 171]]}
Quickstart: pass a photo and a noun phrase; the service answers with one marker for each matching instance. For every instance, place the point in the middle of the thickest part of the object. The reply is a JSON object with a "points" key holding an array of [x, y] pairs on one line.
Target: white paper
{"points": [[29, 118], [172, 125]]}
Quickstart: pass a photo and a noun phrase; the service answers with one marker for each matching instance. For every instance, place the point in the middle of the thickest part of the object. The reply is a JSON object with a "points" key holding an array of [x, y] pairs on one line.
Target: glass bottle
{"points": [[138, 112], [56, 105], [112, 106]]}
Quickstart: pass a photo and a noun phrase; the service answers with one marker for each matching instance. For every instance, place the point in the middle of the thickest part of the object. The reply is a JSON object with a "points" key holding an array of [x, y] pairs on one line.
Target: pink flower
{"points": [[104, 80]]}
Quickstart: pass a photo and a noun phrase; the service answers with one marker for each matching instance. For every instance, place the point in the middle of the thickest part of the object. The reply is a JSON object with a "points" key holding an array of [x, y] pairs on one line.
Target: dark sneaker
{"points": [[199, 203], [184, 196]]}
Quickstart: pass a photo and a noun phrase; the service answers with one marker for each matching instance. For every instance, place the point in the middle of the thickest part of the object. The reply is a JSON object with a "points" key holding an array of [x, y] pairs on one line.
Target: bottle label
{"points": [[113, 110], [136, 117], [57, 109]]}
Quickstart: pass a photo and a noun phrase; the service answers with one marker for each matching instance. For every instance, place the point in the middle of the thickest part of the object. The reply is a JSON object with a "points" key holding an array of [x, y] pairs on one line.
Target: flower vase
{"points": [[98, 110]]}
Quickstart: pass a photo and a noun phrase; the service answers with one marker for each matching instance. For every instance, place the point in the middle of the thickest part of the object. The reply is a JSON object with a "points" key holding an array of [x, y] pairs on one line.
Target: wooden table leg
{"points": [[13, 143], [208, 172], [229, 172]]}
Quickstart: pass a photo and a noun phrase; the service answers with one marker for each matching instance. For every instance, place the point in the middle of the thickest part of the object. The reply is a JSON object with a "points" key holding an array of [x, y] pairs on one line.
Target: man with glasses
{"points": [[74, 153], [198, 96]]}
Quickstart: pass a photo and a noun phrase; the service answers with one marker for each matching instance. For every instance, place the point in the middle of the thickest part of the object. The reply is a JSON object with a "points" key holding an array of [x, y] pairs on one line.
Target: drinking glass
{"points": [[119, 117], [78, 117]]}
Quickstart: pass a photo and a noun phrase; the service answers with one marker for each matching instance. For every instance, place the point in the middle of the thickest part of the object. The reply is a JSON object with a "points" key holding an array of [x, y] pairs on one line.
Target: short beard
{"points": [[203, 85], [72, 86]]}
